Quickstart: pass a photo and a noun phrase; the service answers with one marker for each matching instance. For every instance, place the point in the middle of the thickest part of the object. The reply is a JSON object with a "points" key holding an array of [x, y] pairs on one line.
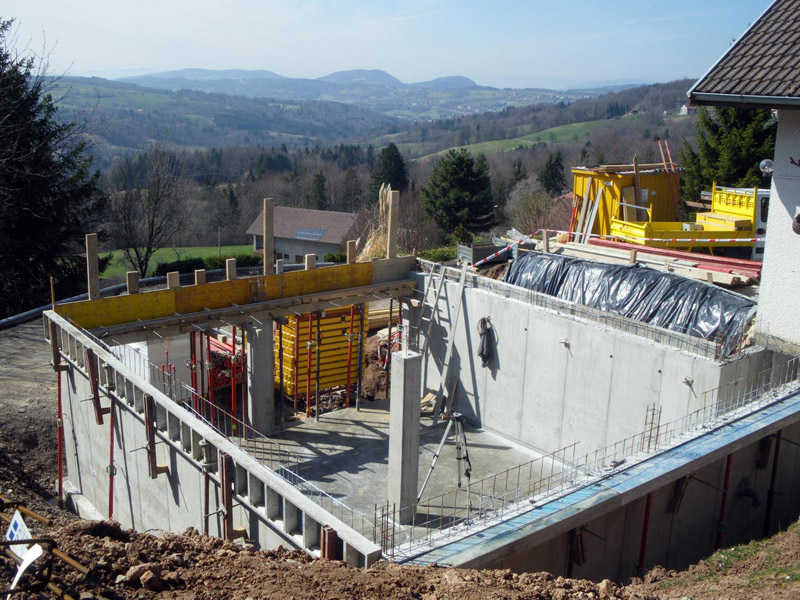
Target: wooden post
{"points": [[351, 252], [199, 276], [230, 269], [637, 185], [92, 267], [546, 240], [132, 281], [311, 261], [632, 257], [268, 233], [173, 280], [394, 222]]}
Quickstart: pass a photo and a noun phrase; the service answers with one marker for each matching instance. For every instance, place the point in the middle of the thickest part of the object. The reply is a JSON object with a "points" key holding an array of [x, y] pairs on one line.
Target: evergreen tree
{"points": [[319, 193], [731, 142], [390, 168], [351, 191], [49, 196], [551, 177], [518, 172], [459, 192]]}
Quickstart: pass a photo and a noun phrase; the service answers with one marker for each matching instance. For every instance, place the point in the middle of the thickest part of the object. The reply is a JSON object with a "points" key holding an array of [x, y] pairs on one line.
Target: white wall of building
{"points": [[777, 323]]}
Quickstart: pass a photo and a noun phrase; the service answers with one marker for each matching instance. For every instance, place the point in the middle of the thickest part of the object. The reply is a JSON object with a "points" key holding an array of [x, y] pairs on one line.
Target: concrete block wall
{"points": [[555, 379], [270, 510], [678, 538]]}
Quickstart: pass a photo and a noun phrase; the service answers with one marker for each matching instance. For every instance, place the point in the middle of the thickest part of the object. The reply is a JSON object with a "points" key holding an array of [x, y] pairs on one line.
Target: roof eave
{"points": [[743, 100]]}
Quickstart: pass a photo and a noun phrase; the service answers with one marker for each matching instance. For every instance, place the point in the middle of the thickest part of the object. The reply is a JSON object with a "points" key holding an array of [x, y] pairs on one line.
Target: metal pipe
{"points": [[645, 531], [233, 379], [206, 486], [281, 389], [723, 502], [360, 353], [308, 364], [349, 356], [111, 468], [316, 371], [772, 478], [210, 382]]}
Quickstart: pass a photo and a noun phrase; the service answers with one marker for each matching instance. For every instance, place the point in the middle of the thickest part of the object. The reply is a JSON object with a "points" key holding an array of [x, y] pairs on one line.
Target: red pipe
{"points": [[111, 467], [233, 378], [349, 355], [723, 503], [244, 379], [308, 365], [645, 530], [399, 324], [210, 382]]}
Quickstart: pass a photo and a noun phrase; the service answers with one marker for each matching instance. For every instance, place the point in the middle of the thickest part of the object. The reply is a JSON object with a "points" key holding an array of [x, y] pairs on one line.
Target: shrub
{"points": [[439, 254], [335, 257], [187, 265]]}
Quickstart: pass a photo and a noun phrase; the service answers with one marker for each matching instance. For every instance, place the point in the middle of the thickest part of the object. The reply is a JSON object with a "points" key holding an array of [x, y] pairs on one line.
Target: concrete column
{"points": [[260, 387], [279, 268], [404, 414], [92, 267], [351, 252], [173, 280], [268, 233], [199, 276], [394, 224], [230, 269], [132, 281], [311, 261]]}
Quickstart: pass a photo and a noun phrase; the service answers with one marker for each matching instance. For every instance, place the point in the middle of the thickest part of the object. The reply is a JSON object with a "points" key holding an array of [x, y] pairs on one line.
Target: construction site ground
{"points": [[126, 564]]}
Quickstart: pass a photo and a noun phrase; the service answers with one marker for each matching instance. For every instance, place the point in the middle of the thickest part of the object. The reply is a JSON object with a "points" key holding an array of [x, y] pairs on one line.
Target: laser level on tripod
{"points": [[462, 452]]}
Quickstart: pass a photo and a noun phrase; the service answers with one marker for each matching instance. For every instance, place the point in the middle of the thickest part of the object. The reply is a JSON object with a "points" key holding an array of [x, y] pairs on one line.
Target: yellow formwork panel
{"points": [[105, 312], [732, 201], [660, 186], [220, 294], [334, 347], [146, 306]]}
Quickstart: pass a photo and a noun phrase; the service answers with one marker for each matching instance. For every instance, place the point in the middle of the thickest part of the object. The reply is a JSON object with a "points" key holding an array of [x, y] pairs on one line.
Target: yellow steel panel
{"points": [[117, 310], [220, 294]]}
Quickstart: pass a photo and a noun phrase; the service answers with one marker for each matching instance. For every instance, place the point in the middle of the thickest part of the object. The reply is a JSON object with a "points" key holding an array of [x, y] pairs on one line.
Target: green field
{"points": [[562, 133], [116, 270]]}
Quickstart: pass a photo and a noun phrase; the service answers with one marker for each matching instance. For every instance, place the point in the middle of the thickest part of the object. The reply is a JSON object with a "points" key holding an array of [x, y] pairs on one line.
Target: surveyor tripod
{"points": [[462, 452]]}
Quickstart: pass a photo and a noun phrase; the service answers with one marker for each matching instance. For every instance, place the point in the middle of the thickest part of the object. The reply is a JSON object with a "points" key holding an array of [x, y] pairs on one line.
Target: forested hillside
{"points": [[123, 118]]}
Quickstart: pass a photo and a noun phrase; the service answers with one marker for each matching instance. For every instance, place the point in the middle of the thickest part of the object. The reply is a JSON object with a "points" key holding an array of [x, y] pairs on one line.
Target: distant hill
{"points": [[448, 83], [214, 74], [123, 117], [363, 77], [440, 98]]}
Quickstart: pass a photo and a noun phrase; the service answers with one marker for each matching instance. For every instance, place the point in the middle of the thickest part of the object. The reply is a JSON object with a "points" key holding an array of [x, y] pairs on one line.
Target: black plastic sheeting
{"points": [[636, 292]]}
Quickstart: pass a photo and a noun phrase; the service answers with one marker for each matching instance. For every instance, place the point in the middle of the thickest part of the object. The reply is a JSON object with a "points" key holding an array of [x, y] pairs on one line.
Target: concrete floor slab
{"points": [[346, 454]]}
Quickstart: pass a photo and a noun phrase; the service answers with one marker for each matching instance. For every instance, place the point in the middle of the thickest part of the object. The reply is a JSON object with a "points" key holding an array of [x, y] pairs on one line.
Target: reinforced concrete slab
{"points": [[346, 454]]}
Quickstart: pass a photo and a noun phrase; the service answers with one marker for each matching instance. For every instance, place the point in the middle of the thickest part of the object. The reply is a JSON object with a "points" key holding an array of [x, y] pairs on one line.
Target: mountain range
{"points": [[443, 97]]}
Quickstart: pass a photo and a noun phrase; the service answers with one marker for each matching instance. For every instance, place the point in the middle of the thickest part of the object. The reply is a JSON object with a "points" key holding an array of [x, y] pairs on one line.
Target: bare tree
{"points": [[530, 205], [147, 204]]}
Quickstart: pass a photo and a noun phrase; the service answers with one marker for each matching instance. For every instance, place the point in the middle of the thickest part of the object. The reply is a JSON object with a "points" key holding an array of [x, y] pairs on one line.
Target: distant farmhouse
{"points": [[687, 109], [301, 231]]}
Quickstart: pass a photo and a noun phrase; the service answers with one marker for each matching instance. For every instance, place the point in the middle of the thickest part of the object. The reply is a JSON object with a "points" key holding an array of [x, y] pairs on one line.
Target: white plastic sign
{"points": [[18, 531]]}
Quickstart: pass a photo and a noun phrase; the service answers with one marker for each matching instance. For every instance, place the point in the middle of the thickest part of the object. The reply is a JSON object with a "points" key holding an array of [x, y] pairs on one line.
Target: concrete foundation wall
{"points": [[555, 379], [269, 509], [677, 538]]}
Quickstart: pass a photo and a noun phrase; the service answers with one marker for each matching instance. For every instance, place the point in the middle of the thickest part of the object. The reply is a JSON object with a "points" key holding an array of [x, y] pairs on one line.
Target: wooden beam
{"points": [[394, 224]]}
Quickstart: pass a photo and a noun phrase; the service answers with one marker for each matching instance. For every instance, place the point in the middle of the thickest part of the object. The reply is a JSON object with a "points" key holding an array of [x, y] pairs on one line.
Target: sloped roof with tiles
{"points": [[762, 68], [312, 225]]}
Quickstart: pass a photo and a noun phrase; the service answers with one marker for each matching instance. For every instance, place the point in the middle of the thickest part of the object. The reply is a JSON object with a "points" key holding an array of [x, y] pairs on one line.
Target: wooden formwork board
{"points": [[334, 328]]}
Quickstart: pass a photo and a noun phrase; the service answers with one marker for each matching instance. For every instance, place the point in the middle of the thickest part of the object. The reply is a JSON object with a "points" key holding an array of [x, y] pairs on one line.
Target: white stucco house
{"points": [[762, 70], [301, 231]]}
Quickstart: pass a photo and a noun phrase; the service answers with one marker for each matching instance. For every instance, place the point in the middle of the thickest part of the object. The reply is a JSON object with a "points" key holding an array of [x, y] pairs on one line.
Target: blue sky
{"points": [[533, 43]]}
